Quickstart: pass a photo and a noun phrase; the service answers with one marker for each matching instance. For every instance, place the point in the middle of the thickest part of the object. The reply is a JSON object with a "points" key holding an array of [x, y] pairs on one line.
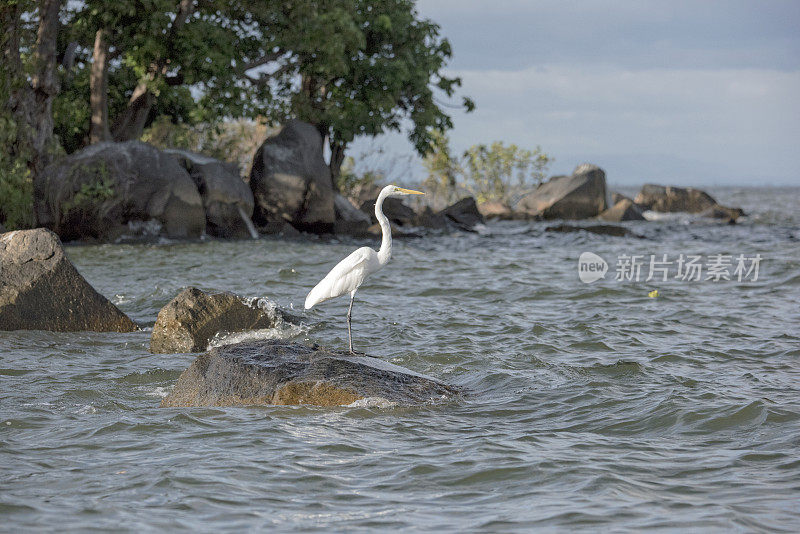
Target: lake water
{"points": [[591, 406]]}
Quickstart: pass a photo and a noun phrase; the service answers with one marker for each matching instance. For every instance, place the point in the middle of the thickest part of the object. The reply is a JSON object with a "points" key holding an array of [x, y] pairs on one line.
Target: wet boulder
{"points": [[464, 214], [284, 373], [227, 199], [579, 196], [624, 210], [616, 197], [40, 289], [291, 182], [427, 218], [672, 199], [191, 320], [108, 188]]}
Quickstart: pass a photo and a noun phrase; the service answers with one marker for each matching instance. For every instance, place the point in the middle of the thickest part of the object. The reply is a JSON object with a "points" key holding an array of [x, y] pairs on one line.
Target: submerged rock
{"points": [[291, 181], [99, 191], [189, 321], [41, 290], [624, 210], [599, 229], [280, 372], [723, 213], [579, 196]]}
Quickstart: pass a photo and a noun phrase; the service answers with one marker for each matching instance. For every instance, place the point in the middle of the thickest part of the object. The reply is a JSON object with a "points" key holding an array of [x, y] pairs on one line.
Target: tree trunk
{"points": [[98, 84], [130, 124], [44, 84], [337, 158]]}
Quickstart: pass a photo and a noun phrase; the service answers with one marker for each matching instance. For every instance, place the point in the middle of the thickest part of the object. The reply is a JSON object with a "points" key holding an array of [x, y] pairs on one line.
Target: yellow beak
{"points": [[410, 191]]}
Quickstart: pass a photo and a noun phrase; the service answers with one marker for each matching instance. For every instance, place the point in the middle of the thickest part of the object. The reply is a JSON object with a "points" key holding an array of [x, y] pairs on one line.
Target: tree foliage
{"points": [[495, 172], [110, 70]]}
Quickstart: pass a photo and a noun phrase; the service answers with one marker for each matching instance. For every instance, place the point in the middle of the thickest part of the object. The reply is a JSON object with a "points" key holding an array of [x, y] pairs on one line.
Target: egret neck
{"points": [[386, 229]]}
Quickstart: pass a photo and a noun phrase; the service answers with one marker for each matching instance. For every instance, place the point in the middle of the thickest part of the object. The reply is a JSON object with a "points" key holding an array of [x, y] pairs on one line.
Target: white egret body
{"points": [[350, 273]]}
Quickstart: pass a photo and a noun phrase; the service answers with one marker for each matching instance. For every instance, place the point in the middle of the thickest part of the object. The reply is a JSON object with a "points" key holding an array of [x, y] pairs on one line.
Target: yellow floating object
{"points": [[653, 294]]}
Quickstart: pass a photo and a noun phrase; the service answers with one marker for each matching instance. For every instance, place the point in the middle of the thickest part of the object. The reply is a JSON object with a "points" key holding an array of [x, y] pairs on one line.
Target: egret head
{"points": [[395, 191]]}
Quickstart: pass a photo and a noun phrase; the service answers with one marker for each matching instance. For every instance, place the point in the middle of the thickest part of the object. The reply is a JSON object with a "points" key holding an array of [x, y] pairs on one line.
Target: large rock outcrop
{"points": [[189, 321], [227, 199], [97, 191], [395, 210], [280, 372], [624, 210], [672, 199], [579, 196], [291, 182], [41, 290]]}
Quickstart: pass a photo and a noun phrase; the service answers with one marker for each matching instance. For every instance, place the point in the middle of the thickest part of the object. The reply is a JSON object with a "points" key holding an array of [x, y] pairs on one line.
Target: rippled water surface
{"points": [[591, 406]]}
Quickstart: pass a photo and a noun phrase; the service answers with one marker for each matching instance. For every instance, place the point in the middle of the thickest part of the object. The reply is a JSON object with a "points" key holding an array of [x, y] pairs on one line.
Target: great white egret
{"points": [[350, 273]]}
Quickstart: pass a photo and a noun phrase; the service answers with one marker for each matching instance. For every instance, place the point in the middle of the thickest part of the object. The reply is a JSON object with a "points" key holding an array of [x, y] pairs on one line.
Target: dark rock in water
{"points": [[579, 196], [624, 210], [397, 231], [427, 218], [280, 372], [97, 191], [464, 213], [671, 199], [291, 182], [349, 219], [226, 197], [394, 209], [189, 321], [723, 213], [41, 290], [600, 229]]}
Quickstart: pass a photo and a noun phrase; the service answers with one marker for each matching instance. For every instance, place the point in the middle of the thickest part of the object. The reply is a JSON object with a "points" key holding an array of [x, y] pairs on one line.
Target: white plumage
{"points": [[348, 275]]}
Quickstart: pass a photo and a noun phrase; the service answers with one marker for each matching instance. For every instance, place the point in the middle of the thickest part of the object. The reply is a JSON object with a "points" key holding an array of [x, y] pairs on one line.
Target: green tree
{"points": [[383, 75], [502, 173]]}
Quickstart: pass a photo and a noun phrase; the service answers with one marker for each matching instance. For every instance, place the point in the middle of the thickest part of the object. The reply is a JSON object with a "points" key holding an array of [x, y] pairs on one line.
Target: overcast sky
{"points": [[679, 92]]}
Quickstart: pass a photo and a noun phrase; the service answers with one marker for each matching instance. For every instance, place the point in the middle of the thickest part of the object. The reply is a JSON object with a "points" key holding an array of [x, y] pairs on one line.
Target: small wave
{"points": [[282, 331], [158, 391]]}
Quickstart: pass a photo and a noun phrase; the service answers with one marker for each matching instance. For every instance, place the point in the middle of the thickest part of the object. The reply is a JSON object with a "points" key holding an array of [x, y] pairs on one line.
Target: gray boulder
{"points": [[189, 321], [97, 191], [579, 196], [395, 210], [283, 373], [493, 209], [624, 210], [671, 199], [291, 182], [349, 219], [41, 290], [464, 214], [227, 199]]}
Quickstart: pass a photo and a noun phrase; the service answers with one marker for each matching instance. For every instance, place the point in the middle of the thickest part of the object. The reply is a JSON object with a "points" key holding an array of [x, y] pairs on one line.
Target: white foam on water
{"points": [[158, 391], [372, 402]]}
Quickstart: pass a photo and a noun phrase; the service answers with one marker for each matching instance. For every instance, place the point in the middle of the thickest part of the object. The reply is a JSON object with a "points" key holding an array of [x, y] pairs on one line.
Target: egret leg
{"points": [[349, 318]]}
